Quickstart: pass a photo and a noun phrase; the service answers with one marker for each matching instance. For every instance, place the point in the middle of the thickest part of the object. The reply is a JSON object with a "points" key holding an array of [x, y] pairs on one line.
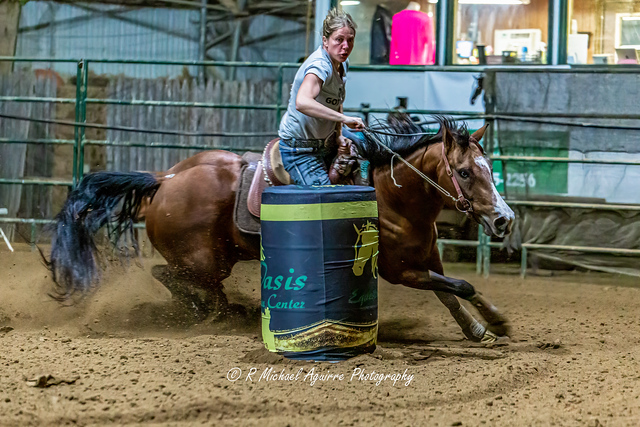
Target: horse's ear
{"points": [[477, 135], [447, 138]]}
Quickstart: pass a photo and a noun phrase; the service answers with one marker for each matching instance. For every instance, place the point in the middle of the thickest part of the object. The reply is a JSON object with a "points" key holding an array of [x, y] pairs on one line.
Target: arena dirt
{"points": [[128, 355]]}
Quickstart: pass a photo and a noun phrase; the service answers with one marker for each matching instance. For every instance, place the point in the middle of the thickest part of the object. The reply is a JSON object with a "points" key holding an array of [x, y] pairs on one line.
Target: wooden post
{"points": [[9, 20]]}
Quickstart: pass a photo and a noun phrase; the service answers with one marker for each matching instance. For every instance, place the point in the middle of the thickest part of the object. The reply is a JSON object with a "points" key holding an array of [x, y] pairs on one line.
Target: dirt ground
{"points": [[128, 356]]}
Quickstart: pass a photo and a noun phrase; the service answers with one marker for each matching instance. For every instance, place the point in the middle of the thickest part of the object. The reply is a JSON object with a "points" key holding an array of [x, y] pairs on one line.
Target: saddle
{"points": [[258, 172], [267, 170]]}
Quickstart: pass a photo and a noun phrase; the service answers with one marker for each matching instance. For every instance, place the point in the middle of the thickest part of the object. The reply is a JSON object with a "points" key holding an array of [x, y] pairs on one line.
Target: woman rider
{"points": [[310, 130]]}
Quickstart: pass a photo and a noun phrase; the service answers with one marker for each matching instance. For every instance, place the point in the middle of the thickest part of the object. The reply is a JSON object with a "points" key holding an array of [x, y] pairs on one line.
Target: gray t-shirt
{"points": [[294, 124]]}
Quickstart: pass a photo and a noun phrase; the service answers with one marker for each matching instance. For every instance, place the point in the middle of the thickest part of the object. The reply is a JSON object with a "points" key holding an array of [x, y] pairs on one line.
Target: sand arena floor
{"points": [[128, 356]]}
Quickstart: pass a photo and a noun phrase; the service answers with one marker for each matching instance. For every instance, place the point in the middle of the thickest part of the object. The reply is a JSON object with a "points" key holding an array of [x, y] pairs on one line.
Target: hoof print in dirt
{"points": [[549, 346], [44, 381]]}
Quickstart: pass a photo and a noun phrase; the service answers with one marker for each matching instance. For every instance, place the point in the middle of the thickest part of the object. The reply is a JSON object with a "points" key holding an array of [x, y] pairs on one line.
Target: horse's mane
{"points": [[402, 124]]}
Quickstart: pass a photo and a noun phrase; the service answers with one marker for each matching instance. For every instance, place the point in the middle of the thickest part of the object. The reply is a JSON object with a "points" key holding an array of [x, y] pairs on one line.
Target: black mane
{"points": [[401, 123]]}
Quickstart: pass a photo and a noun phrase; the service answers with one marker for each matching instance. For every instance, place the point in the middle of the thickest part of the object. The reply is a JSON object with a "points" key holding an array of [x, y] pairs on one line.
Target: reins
{"points": [[461, 203]]}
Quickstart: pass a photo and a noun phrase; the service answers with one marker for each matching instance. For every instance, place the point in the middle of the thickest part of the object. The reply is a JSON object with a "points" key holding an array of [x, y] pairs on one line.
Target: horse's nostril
{"points": [[500, 223]]}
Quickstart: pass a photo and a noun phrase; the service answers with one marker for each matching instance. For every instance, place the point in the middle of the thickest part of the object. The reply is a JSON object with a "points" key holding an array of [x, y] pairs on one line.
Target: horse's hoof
{"points": [[500, 329], [489, 337]]}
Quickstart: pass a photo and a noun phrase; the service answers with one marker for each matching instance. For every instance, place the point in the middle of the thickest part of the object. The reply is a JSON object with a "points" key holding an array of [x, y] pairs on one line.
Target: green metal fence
{"points": [[80, 142]]}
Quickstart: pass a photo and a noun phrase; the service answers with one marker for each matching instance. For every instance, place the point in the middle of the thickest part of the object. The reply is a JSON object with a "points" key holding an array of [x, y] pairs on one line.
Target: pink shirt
{"points": [[412, 39]]}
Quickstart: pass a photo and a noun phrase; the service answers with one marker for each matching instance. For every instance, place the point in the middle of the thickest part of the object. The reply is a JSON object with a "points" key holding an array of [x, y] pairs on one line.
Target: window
{"points": [[604, 32], [410, 42], [500, 32]]}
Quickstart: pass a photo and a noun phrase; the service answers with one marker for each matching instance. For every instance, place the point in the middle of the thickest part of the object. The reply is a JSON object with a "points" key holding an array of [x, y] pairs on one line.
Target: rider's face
{"points": [[339, 44]]}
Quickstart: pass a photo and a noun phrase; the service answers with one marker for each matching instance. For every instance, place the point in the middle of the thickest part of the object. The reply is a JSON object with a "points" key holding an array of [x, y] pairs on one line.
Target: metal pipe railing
{"points": [[587, 249], [613, 207], [534, 159], [483, 244]]}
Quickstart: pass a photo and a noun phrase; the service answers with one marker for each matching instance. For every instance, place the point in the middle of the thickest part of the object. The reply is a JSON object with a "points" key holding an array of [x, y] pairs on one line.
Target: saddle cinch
{"points": [[262, 171]]}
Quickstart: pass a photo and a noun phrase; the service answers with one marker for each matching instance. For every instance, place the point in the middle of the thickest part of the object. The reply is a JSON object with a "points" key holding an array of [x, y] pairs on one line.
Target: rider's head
{"points": [[338, 35]]}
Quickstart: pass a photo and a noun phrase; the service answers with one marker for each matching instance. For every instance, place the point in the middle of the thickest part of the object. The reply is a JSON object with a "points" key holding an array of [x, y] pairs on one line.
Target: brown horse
{"points": [[189, 218]]}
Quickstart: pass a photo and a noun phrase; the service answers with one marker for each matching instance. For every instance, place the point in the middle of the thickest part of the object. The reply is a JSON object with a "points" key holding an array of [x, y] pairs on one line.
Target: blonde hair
{"points": [[335, 20]]}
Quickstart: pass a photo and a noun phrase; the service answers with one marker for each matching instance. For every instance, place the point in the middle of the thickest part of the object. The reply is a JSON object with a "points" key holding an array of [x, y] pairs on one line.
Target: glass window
{"points": [[603, 32], [393, 32], [500, 32]]}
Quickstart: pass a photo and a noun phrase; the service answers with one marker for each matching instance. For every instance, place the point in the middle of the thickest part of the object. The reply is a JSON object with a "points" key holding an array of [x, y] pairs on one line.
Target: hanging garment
{"points": [[412, 39], [380, 36]]}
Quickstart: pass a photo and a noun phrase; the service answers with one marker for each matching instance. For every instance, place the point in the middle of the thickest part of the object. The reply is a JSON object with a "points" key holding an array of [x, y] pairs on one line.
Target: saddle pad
{"points": [[245, 222]]}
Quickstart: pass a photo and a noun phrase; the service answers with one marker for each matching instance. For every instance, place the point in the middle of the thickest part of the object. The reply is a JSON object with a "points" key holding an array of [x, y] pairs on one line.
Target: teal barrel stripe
{"points": [[319, 211]]}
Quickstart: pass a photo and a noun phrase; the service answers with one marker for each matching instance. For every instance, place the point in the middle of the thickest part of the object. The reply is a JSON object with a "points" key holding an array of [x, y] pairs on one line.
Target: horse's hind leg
{"points": [[193, 292]]}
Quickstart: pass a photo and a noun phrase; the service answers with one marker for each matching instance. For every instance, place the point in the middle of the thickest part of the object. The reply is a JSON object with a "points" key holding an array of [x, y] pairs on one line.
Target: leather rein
{"points": [[462, 204]]}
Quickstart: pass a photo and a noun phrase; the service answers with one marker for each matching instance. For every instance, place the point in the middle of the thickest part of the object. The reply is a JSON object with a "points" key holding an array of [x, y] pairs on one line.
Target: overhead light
{"points": [[349, 3], [493, 2]]}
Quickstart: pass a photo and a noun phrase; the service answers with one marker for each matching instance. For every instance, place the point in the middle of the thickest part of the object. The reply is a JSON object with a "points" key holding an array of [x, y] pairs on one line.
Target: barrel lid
{"points": [[314, 189]]}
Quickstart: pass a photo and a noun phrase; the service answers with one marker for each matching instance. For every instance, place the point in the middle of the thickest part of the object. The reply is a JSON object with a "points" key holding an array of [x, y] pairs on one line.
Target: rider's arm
{"points": [[306, 103], [306, 100]]}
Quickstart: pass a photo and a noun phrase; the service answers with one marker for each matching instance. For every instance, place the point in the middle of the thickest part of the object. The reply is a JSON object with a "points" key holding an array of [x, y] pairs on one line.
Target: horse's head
{"points": [[471, 169], [366, 248], [469, 166]]}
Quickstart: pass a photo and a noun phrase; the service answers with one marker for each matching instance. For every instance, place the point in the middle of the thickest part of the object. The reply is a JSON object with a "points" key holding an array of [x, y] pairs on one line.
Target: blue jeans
{"points": [[352, 134], [307, 166]]}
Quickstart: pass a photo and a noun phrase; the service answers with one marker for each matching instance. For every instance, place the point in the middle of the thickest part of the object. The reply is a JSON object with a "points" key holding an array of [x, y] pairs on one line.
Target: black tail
{"points": [[88, 208]]}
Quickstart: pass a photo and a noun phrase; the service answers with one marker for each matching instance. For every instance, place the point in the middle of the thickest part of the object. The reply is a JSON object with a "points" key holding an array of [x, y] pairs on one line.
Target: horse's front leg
{"points": [[428, 280], [471, 328], [497, 323]]}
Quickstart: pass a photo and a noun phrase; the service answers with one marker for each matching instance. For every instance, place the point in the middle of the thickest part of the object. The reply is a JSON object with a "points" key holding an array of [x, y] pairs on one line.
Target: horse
{"points": [[188, 214]]}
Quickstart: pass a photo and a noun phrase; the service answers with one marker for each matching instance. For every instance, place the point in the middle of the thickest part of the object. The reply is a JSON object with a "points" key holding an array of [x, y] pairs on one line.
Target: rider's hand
{"points": [[344, 145], [353, 122], [344, 161]]}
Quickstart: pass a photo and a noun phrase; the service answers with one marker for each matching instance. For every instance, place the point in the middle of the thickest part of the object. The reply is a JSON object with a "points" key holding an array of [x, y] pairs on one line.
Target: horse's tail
{"points": [[92, 205]]}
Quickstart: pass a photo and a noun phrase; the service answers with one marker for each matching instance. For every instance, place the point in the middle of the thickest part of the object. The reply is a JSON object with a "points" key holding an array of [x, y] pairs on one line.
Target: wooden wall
{"points": [[19, 161], [9, 15], [185, 119]]}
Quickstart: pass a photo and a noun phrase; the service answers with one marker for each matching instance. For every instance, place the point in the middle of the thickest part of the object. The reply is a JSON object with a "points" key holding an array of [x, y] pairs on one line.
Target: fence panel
{"points": [[18, 161]]}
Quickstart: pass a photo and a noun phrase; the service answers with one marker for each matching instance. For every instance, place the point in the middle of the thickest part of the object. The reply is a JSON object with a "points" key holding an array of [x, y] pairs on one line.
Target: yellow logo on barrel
{"points": [[366, 248]]}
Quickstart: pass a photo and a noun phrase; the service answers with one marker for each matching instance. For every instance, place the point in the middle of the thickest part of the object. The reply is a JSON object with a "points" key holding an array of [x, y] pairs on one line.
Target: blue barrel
{"points": [[319, 253]]}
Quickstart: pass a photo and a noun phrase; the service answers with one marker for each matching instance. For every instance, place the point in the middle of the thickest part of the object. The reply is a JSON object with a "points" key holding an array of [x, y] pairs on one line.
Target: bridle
{"points": [[461, 203]]}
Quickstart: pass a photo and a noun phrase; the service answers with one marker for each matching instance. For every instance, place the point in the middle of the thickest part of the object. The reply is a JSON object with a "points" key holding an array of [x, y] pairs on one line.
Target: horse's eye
{"points": [[464, 173]]}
